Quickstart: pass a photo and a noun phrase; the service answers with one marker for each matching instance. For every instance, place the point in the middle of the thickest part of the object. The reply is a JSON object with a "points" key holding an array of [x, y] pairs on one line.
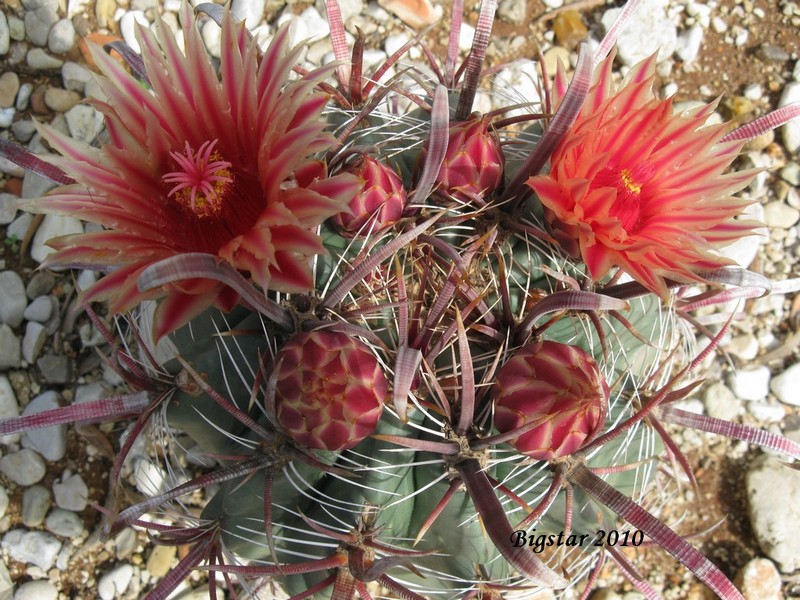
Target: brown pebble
{"points": [[37, 101], [569, 29]]}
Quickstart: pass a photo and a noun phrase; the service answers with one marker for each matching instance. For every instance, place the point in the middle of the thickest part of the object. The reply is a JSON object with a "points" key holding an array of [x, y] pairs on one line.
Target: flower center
{"points": [[201, 180], [628, 183]]}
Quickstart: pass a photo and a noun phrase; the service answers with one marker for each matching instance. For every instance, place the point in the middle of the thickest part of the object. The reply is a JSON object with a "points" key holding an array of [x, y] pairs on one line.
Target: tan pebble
{"points": [[759, 580], [569, 29], [160, 560]]}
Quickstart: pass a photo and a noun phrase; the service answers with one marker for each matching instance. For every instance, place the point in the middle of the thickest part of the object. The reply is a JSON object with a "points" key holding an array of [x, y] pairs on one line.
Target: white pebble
{"points": [[23, 467], [50, 442], [34, 547], [52, 226], [71, 494], [114, 583], [786, 386], [791, 130], [750, 384], [127, 26], [40, 310], [36, 590]]}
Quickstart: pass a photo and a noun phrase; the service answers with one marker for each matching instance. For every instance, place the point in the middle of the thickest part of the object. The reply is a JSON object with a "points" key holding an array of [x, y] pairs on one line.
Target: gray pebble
{"points": [[6, 585], [34, 186], [125, 543], [38, 24], [24, 96], [75, 76], [16, 28], [34, 4], [653, 32], [64, 523], [19, 226], [114, 583], [775, 517], [9, 86], [8, 209], [750, 384], [55, 368], [785, 386], [50, 442], [12, 298], [36, 501], [9, 408], [33, 341], [721, 402], [72, 493], [23, 131], [791, 130], [10, 356], [40, 310], [23, 467], [6, 117], [772, 53], [84, 122], [212, 36], [34, 547], [41, 589], [10, 168], [513, 11], [40, 60], [3, 502], [62, 37], [40, 284], [52, 226], [5, 34]]}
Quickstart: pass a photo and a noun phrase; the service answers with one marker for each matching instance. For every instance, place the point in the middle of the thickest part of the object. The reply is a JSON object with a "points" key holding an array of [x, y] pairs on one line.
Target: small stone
{"points": [[62, 37], [750, 384], [23, 467], [40, 284], [786, 386], [24, 95], [212, 38], [60, 100], [513, 11], [39, 60], [721, 402], [772, 53], [5, 34], [84, 122], [688, 44], [40, 589], [753, 92], [10, 355], [38, 24], [34, 4], [50, 442], [125, 543], [9, 407], [127, 27], [34, 186], [36, 501], [52, 226], [553, 56], [33, 341], [40, 310], [743, 346], [160, 560], [654, 31], [569, 28], [64, 523], [71, 494], [6, 117], [55, 368], [9, 86], [791, 130], [8, 209], [12, 298], [34, 547], [113, 584], [249, 11], [150, 478], [16, 28], [414, 13], [759, 580], [76, 76], [773, 493], [3, 506], [23, 131], [781, 215], [791, 173]]}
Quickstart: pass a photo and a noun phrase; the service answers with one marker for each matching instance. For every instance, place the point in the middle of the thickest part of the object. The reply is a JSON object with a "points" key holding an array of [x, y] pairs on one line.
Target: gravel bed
{"points": [[50, 539]]}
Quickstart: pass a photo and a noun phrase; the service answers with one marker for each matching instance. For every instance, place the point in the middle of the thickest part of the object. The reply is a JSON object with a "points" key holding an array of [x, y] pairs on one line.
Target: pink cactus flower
{"points": [[635, 186], [199, 163], [556, 387], [330, 390]]}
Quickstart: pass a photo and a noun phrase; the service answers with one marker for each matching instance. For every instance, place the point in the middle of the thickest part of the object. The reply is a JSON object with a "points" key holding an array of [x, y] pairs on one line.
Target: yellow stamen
{"points": [[629, 182]]}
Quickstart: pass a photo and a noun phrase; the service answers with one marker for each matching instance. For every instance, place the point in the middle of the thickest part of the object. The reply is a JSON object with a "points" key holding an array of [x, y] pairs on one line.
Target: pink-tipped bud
{"points": [[473, 165], [330, 390], [382, 198], [558, 386]]}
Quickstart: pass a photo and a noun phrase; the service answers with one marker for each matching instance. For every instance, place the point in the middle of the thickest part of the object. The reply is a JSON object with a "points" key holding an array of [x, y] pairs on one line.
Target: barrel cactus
{"points": [[426, 365]]}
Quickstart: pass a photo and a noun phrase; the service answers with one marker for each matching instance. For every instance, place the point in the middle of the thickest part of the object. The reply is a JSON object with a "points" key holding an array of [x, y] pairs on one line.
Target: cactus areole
{"points": [[556, 385], [329, 391]]}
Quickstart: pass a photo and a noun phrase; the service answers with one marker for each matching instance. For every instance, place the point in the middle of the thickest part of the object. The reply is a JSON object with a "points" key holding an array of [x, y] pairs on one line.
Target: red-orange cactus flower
{"points": [[635, 186], [200, 163]]}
